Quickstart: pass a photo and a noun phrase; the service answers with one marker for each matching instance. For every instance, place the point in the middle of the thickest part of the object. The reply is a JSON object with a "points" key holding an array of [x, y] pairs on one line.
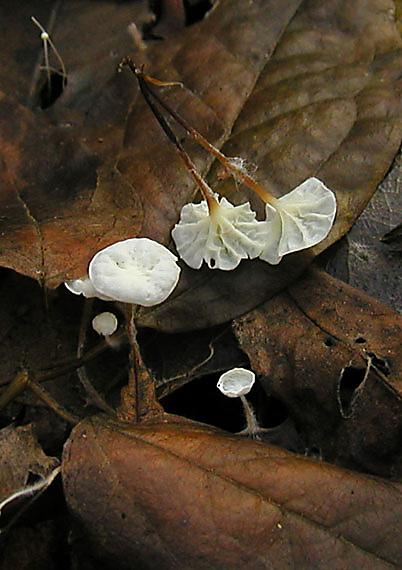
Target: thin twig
{"points": [[14, 389], [21, 382], [47, 399]]}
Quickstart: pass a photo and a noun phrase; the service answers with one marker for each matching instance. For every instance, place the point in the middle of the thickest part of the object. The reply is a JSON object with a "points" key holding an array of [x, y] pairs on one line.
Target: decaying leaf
{"points": [[331, 354], [368, 259], [141, 193], [31, 548], [177, 359], [332, 112], [180, 495], [20, 457], [327, 104]]}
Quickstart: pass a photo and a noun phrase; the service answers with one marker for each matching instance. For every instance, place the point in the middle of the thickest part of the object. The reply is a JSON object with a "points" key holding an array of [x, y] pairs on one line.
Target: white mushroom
{"points": [[84, 286], [236, 383], [300, 219], [105, 323], [137, 270], [221, 235]]}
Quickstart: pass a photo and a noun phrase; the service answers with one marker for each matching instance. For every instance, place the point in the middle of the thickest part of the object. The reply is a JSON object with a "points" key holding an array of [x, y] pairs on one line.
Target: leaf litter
{"points": [[312, 89]]}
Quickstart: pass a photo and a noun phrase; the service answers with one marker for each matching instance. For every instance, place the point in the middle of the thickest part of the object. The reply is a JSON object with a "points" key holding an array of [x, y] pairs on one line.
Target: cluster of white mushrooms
{"points": [[143, 272], [140, 271], [221, 234]]}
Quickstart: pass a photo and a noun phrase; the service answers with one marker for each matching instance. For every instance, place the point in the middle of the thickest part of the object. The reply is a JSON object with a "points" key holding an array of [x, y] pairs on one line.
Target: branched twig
{"points": [[21, 382]]}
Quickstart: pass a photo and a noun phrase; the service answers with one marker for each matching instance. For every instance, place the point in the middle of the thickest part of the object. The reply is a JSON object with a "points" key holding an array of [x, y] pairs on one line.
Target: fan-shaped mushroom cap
{"points": [[300, 219], [105, 323], [136, 270], [221, 237], [236, 382]]}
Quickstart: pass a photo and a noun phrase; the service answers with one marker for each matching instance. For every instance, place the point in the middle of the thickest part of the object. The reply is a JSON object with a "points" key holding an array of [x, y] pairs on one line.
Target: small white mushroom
{"points": [[236, 383], [221, 236], [300, 219], [137, 270], [105, 323]]}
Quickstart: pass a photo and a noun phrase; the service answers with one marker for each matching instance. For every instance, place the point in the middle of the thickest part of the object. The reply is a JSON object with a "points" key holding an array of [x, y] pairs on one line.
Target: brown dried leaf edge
{"points": [[181, 495]]}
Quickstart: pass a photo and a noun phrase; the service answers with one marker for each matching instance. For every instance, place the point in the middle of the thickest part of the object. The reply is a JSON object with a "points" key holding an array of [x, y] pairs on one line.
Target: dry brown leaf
{"points": [[20, 457], [327, 104], [134, 196], [312, 346], [368, 260], [91, 38], [180, 495]]}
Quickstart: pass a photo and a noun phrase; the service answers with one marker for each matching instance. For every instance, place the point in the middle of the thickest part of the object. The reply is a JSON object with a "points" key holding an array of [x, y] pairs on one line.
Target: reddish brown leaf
{"points": [[180, 495], [312, 345]]}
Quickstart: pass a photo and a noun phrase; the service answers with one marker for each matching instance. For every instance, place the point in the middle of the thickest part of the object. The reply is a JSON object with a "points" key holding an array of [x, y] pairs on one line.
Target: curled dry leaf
{"points": [[21, 456], [180, 495], [332, 355], [176, 359]]}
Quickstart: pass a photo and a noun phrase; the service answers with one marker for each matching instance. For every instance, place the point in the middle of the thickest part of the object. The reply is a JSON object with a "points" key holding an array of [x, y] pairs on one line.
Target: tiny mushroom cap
{"points": [[236, 382], [137, 270], [105, 323]]}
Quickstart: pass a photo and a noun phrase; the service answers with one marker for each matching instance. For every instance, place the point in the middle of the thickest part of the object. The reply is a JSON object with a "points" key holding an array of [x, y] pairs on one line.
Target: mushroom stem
{"points": [[245, 178], [252, 424], [46, 39], [138, 398], [206, 191], [94, 396]]}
